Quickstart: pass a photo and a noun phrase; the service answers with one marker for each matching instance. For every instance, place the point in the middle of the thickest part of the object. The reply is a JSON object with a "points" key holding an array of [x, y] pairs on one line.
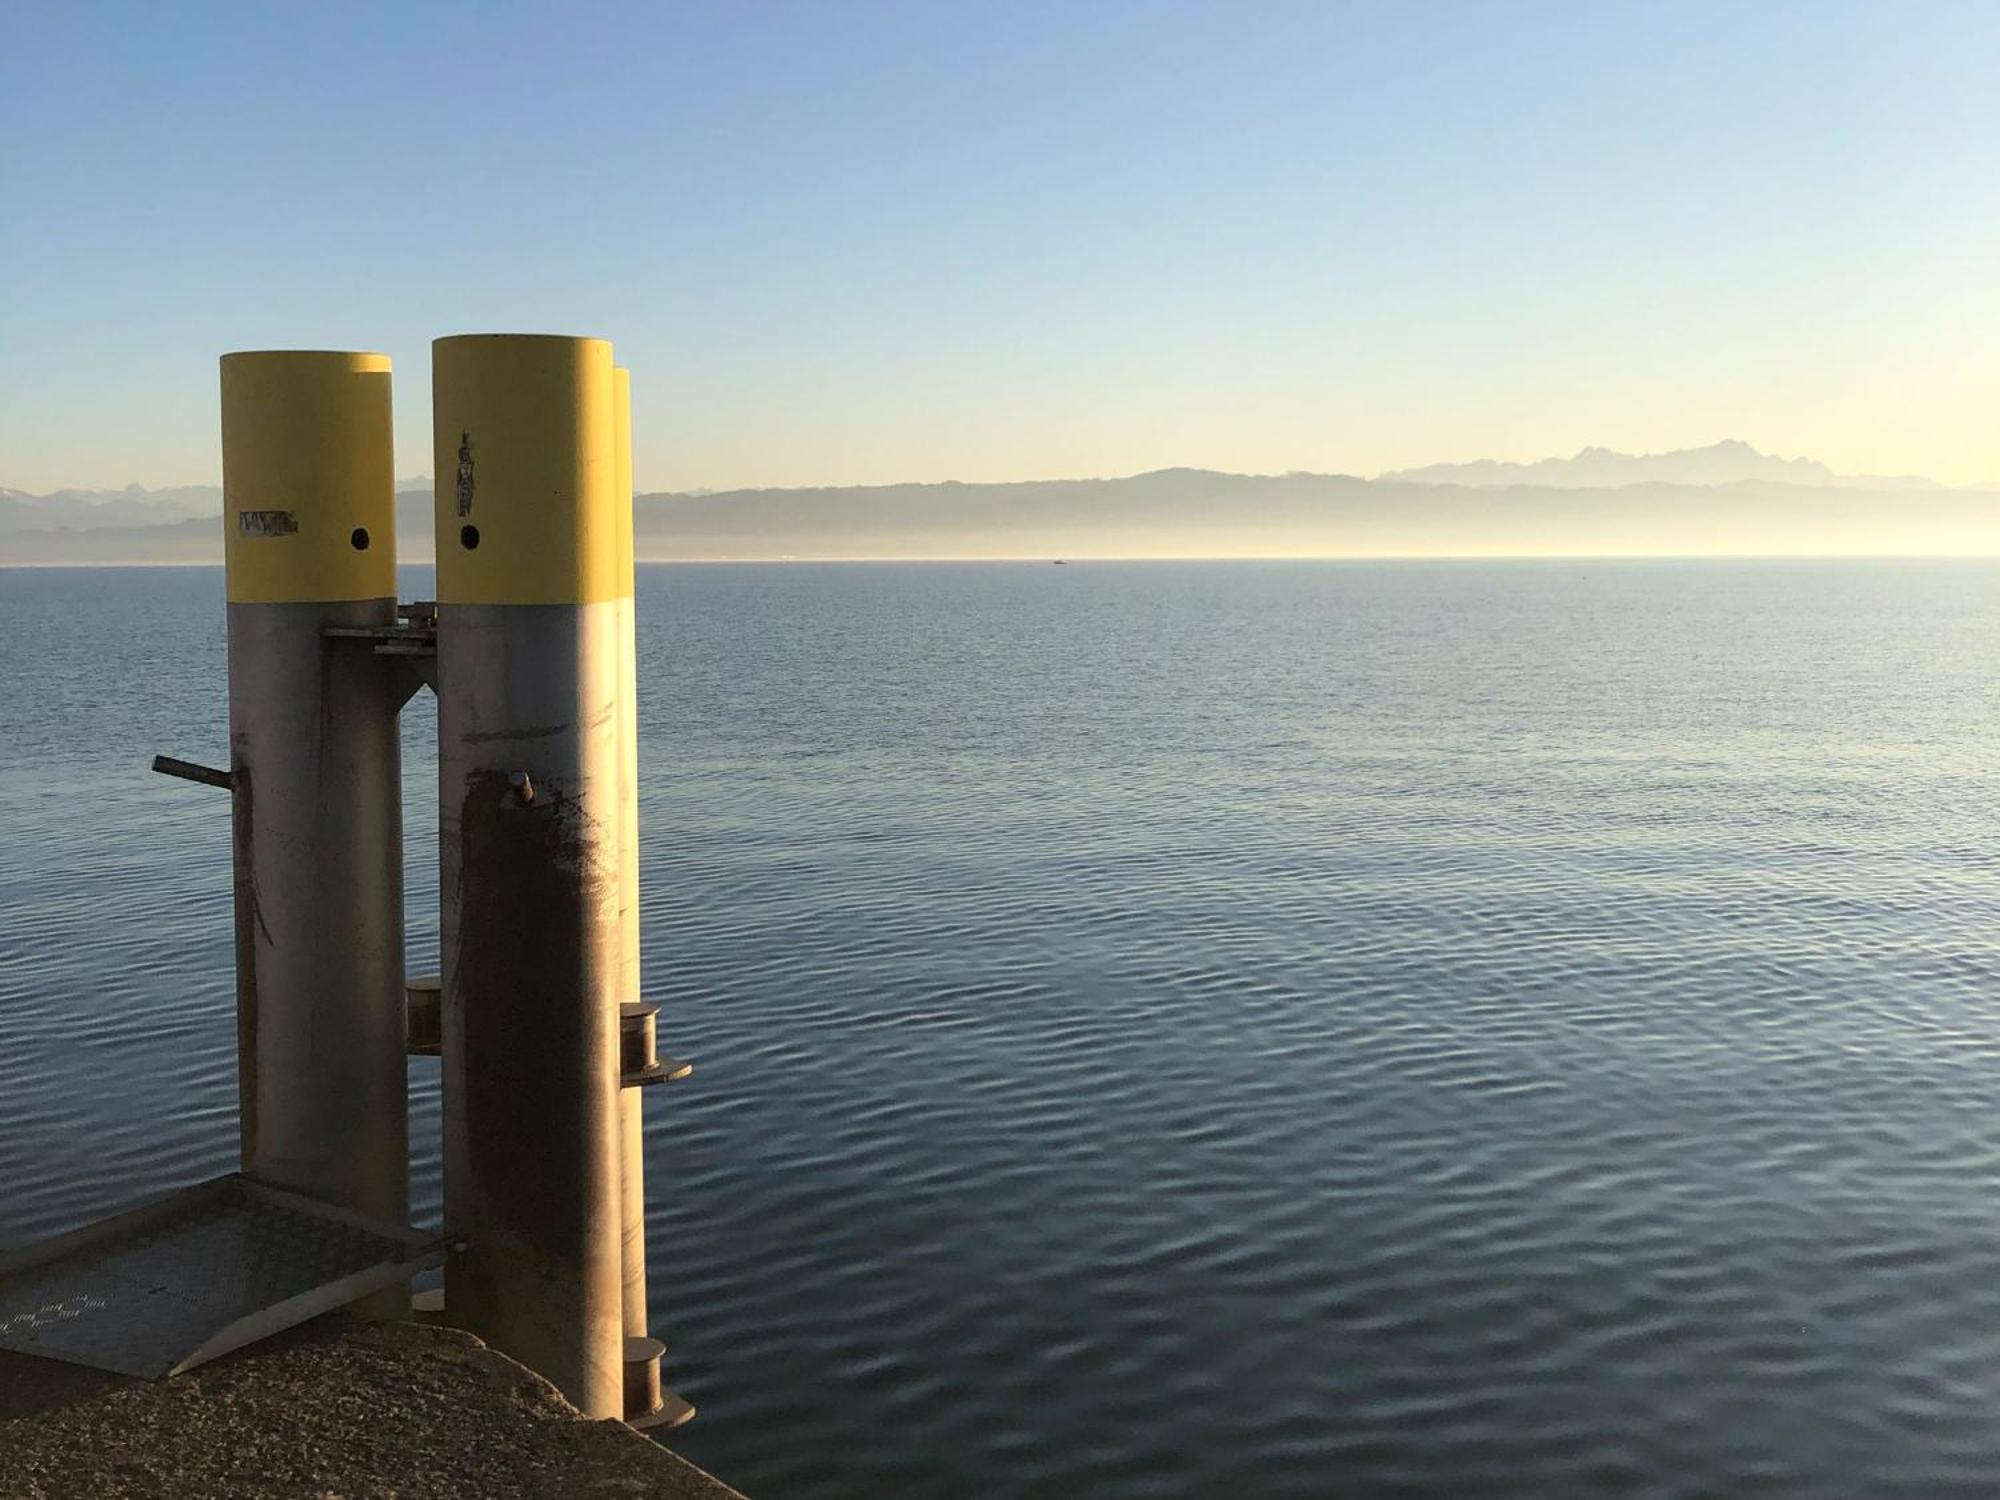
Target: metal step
{"points": [[170, 1285]]}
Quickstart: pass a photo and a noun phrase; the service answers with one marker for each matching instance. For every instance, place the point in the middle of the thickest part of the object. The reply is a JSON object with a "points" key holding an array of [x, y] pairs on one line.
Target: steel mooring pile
{"points": [[537, 1017]]}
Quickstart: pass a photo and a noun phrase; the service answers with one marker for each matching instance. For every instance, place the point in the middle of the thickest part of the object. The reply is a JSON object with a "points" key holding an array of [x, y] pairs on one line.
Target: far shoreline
{"points": [[1128, 558]]}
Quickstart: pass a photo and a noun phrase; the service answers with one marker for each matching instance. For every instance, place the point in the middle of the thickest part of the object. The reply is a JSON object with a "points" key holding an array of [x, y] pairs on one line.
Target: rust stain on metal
{"points": [[527, 879], [540, 732]]}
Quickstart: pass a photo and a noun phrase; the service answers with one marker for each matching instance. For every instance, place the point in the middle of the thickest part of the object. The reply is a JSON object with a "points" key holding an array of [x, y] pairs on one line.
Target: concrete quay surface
{"points": [[331, 1411]]}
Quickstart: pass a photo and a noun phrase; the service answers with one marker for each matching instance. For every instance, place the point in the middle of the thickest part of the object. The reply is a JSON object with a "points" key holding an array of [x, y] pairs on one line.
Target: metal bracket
{"points": [[673, 1411], [648, 1404], [423, 1016], [639, 1061], [411, 642]]}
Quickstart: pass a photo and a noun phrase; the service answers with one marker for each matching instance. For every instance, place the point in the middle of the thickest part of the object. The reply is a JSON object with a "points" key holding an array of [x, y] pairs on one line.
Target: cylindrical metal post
{"points": [[632, 1107], [308, 479], [529, 789]]}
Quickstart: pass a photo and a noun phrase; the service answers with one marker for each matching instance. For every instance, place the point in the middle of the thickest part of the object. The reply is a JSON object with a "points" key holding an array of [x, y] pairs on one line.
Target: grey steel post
{"points": [[632, 1193], [530, 808], [315, 773], [648, 1404]]}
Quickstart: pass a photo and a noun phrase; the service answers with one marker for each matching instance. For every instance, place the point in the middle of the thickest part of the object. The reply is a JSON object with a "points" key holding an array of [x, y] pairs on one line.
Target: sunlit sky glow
{"points": [[851, 243]]}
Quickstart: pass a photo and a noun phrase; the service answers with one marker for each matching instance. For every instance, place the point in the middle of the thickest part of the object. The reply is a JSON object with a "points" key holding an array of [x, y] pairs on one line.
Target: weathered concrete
{"points": [[387, 1411]]}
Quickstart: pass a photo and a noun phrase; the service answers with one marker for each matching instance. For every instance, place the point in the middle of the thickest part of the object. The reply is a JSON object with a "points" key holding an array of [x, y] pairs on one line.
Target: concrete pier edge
{"points": [[331, 1409]]}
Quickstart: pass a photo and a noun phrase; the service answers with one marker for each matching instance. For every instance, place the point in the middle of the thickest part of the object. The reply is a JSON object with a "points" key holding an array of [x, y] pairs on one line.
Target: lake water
{"points": [[1197, 1030]]}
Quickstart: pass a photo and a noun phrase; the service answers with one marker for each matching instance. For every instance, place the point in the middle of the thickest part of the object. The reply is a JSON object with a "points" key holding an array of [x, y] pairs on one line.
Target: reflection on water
{"points": [[1198, 1029]]}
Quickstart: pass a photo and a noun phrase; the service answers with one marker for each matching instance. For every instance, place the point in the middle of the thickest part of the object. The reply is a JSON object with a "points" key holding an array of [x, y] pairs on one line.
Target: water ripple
{"points": [[1168, 1030]]}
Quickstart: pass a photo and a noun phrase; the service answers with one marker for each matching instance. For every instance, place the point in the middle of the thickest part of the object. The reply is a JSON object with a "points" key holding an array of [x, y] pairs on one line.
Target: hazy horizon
{"points": [[1483, 471], [1724, 500]]}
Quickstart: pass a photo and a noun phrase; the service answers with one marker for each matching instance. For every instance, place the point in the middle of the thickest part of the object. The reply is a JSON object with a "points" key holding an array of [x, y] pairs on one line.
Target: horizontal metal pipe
{"points": [[187, 770]]}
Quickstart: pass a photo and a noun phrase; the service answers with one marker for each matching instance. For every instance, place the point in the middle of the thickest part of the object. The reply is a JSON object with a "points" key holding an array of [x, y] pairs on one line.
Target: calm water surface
{"points": [[1219, 1030]]}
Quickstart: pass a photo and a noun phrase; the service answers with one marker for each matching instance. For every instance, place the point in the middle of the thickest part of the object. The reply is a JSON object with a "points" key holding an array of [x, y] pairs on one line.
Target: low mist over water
{"points": [[1197, 1029], [1724, 500]]}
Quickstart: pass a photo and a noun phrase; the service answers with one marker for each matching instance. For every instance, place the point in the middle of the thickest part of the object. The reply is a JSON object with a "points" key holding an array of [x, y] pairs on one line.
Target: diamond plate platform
{"points": [[165, 1287]]}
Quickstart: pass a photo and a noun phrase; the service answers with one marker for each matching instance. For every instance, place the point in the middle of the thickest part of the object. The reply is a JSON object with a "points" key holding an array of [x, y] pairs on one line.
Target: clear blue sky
{"points": [[846, 242]]}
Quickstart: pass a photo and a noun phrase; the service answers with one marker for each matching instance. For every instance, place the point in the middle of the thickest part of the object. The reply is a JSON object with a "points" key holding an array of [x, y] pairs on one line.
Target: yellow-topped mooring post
{"points": [[530, 596], [308, 482]]}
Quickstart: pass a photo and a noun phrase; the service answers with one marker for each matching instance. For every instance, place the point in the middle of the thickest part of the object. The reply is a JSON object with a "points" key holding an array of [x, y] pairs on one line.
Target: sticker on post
{"points": [[267, 522], [464, 486]]}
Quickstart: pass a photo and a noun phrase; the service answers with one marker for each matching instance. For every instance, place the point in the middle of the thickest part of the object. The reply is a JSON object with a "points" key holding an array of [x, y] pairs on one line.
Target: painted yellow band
{"points": [[621, 494], [308, 477], [526, 470]]}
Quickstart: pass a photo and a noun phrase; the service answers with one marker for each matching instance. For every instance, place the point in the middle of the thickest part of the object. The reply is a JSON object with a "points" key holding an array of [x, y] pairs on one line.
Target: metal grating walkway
{"points": [[170, 1285]]}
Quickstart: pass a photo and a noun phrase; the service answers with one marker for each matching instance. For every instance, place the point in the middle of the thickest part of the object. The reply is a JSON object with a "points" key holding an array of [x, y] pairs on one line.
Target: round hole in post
{"points": [[468, 536], [358, 538]]}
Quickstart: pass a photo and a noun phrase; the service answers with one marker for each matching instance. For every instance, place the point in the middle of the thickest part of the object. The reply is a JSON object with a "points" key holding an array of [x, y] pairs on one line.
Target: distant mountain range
{"points": [[95, 510], [1727, 462], [1722, 500]]}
